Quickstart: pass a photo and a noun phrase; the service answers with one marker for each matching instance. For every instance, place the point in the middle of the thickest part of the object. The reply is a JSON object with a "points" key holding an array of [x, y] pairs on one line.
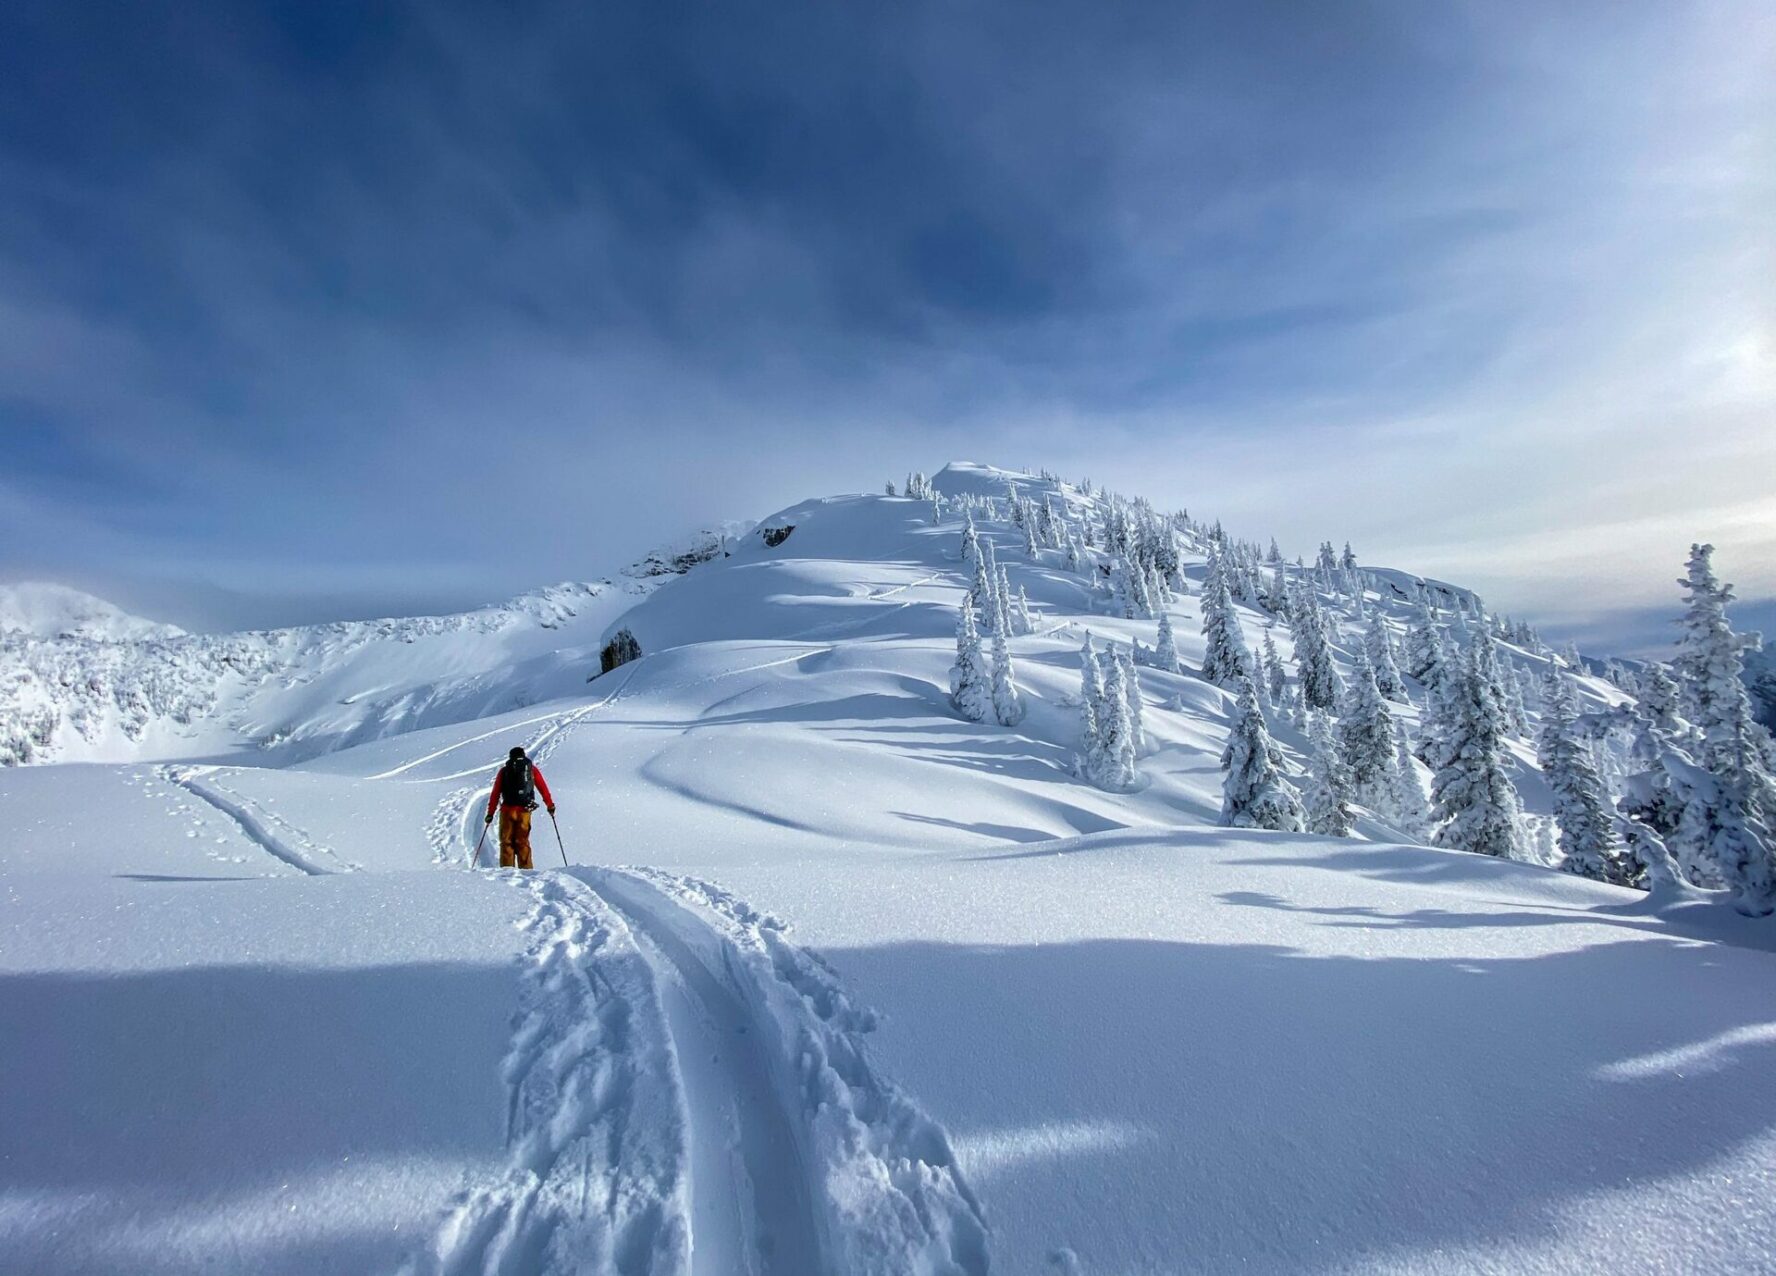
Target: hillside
{"points": [[840, 981], [82, 681], [43, 610]]}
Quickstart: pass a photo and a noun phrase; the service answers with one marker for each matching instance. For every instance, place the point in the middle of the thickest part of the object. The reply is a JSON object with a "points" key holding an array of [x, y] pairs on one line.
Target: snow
{"points": [[839, 981], [45, 610]]}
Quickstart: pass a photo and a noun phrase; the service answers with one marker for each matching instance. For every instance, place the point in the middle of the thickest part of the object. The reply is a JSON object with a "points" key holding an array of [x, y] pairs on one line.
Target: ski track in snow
{"points": [[271, 832], [451, 828], [540, 748], [750, 1188], [433, 756], [882, 1182], [595, 1179]]}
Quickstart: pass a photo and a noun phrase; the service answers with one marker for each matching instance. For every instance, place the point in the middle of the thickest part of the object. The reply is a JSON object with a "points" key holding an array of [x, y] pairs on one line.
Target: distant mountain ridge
{"points": [[43, 609], [82, 680]]}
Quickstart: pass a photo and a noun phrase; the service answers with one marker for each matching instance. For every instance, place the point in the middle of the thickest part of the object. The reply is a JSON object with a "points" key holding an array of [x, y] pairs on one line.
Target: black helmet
{"points": [[517, 751]]}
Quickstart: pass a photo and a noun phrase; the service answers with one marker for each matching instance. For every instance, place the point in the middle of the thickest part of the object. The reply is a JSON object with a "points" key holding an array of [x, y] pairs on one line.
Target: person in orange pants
{"points": [[515, 789]]}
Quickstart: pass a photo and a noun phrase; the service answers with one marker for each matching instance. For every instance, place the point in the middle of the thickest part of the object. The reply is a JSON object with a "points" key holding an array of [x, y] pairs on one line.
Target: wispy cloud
{"points": [[1483, 289]]}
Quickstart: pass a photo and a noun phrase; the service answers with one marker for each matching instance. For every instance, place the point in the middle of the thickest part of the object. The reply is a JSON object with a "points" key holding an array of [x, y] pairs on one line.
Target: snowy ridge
{"points": [[43, 610], [595, 1126], [891, 1196], [114, 688]]}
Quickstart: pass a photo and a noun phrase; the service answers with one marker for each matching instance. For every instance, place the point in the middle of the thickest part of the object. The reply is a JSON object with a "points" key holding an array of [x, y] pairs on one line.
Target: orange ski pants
{"points": [[514, 837]]}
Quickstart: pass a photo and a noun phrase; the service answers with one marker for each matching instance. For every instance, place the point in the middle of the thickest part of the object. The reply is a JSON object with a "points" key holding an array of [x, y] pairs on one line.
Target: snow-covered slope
{"points": [[843, 983], [109, 687], [44, 610]]}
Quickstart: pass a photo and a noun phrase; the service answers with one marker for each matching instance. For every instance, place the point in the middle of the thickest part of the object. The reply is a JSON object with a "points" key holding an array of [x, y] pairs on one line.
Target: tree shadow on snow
{"points": [[156, 1102], [1276, 1111]]}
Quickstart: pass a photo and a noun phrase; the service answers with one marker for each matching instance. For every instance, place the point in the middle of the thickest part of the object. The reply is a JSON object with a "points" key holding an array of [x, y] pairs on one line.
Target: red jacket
{"points": [[535, 774]]}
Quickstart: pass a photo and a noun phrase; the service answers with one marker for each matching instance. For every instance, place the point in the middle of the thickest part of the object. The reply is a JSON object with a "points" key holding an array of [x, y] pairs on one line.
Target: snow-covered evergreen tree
{"points": [[1225, 658], [983, 594], [1112, 761], [1002, 592], [1379, 642], [1511, 696], [1327, 792], [1313, 653], [1131, 681], [1254, 793], [1424, 646], [970, 540], [1008, 705], [1276, 677], [1472, 796], [1091, 692], [1726, 822], [1165, 655], [1587, 838], [1366, 737], [1658, 702], [971, 685], [1276, 595], [1410, 808], [1026, 624]]}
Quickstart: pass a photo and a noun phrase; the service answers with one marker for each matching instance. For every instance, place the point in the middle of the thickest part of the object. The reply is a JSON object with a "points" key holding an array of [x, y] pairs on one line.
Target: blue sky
{"points": [[330, 308]]}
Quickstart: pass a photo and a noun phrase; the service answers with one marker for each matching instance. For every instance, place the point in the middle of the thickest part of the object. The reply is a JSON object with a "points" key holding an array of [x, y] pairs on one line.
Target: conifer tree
{"points": [[1004, 600], [1313, 654], [971, 690], [1276, 677], [1008, 705], [1112, 764], [983, 593], [1527, 691], [1424, 646], [1410, 807], [1276, 597], [1587, 839], [1131, 681], [1091, 692], [1474, 802], [1658, 703], [1025, 623], [1511, 696], [1646, 859], [1724, 823], [1225, 659], [1254, 793], [1366, 737], [1165, 654], [1379, 643], [1328, 790], [970, 539]]}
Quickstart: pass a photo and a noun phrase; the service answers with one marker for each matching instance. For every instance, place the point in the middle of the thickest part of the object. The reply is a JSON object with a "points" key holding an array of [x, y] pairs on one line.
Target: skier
{"points": [[515, 786]]}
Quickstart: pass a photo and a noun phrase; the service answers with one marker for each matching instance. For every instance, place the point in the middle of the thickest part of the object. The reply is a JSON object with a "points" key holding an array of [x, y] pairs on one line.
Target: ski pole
{"points": [[553, 821], [476, 862]]}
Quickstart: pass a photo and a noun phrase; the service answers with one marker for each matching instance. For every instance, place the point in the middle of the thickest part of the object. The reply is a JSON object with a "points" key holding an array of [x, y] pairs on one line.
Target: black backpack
{"points": [[517, 786]]}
